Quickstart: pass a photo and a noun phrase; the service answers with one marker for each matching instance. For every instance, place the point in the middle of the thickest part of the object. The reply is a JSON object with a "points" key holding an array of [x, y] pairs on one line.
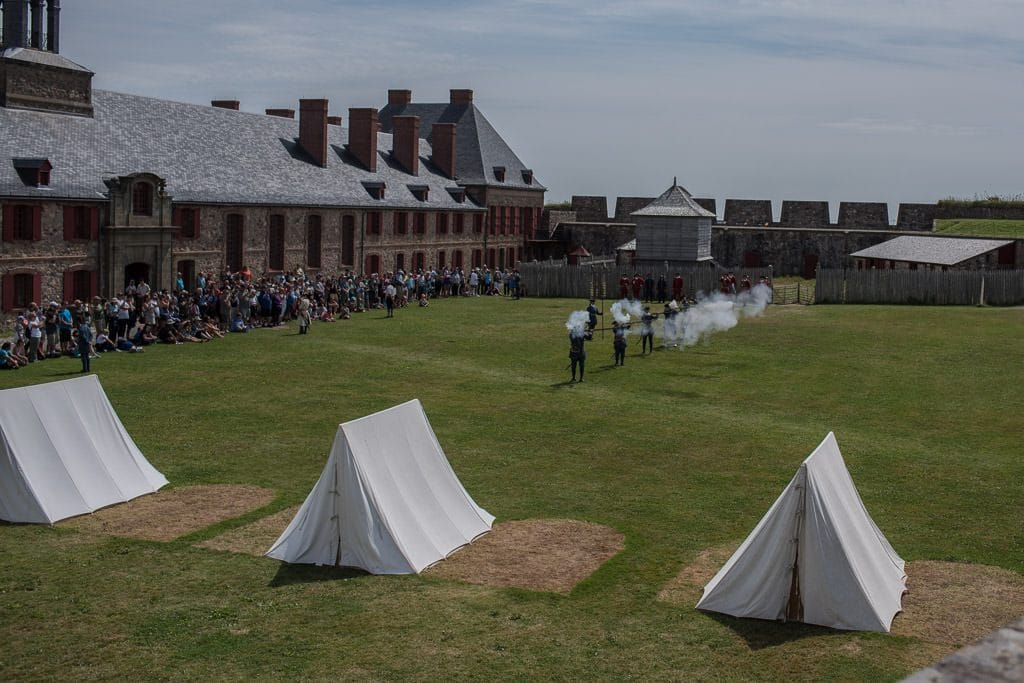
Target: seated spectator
{"points": [[103, 343], [238, 325], [7, 360], [424, 302], [127, 346]]}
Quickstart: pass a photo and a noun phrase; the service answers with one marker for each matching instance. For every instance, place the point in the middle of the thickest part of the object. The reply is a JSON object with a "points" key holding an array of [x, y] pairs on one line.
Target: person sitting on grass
{"points": [[7, 360], [103, 343], [238, 325], [424, 301]]}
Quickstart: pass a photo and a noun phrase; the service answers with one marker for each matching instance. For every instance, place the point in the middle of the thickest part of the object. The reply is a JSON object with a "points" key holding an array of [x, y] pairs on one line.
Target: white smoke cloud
{"points": [[622, 310], [577, 323], [714, 313]]}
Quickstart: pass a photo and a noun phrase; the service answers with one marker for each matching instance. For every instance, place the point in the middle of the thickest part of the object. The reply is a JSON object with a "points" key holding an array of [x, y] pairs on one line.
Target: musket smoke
{"points": [[715, 313], [623, 309], [577, 323]]}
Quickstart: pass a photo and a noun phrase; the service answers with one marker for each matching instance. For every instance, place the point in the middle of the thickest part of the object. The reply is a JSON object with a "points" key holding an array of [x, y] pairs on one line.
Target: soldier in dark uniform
{"points": [[647, 330], [619, 342], [649, 288], [578, 351], [662, 289], [592, 312]]}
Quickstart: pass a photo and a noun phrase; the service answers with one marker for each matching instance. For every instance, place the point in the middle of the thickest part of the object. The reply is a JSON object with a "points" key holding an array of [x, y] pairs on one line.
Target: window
{"points": [[372, 264], [399, 261], [419, 223], [233, 241], [81, 231], [142, 198], [44, 176], [493, 222], [492, 257], [441, 225], [275, 243], [348, 240], [314, 241], [23, 222], [81, 285], [373, 222], [420, 192], [527, 176], [441, 260], [401, 222], [375, 189], [189, 223], [499, 173], [419, 261], [187, 271], [459, 223], [478, 258], [81, 222], [23, 289], [458, 194], [457, 258], [528, 221], [478, 223], [510, 258]]}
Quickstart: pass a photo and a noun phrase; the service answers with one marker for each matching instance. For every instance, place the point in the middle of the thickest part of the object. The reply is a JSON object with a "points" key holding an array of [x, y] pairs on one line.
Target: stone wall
{"points": [[624, 206], [804, 214], [707, 203], [600, 239], [863, 215], [590, 209], [790, 251], [916, 216], [748, 212]]}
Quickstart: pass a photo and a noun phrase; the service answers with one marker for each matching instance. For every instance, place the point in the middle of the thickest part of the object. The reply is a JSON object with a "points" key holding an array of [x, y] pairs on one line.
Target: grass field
{"points": [[980, 227], [679, 451]]}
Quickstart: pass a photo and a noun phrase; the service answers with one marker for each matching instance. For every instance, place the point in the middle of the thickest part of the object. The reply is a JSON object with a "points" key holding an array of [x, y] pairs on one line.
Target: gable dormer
{"points": [[499, 173], [420, 192], [34, 172]]}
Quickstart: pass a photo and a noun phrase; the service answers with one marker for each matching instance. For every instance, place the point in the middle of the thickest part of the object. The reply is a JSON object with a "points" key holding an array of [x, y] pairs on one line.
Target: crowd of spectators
{"points": [[232, 303]]}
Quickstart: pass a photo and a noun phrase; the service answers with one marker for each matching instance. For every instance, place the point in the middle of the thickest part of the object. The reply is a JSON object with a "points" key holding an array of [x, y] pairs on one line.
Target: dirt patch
{"points": [[688, 585], [955, 603], [252, 539], [167, 515], [947, 603], [536, 554]]}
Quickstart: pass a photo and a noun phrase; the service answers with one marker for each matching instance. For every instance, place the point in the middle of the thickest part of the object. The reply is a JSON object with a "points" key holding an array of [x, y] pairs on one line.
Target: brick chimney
{"points": [[53, 25], [405, 132], [226, 104], [442, 140], [362, 136], [313, 129], [399, 98], [461, 97], [16, 23], [283, 113], [333, 120]]}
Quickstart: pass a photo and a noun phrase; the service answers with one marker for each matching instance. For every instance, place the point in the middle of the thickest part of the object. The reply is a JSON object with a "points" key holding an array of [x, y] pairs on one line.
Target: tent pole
{"points": [[795, 606]]}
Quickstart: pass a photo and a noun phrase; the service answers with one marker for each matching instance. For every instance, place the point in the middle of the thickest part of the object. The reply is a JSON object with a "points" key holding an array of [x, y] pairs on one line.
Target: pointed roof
{"points": [[675, 201], [479, 149]]}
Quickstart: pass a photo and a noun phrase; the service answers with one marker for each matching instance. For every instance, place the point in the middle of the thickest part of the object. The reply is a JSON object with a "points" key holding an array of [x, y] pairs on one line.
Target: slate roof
{"points": [[479, 149], [941, 251], [207, 155], [675, 201]]}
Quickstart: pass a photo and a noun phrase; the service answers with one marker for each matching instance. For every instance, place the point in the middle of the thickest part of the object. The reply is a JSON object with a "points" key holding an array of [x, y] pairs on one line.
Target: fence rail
{"points": [[601, 280], [950, 288]]}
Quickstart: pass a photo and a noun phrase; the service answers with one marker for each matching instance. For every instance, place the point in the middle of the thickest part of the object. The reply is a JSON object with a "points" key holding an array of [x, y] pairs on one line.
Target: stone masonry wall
{"points": [[600, 239], [863, 215], [804, 214], [748, 212], [916, 216], [590, 209], [624, 206]]}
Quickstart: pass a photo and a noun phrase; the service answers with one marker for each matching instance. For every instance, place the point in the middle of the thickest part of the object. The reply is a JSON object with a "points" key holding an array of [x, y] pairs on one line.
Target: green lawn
{"points": [[980, 227], [679, 451]]}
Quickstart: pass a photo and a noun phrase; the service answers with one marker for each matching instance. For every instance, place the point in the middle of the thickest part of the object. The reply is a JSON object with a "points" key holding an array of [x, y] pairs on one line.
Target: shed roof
{"points": [[675, 201], [942, 251]]}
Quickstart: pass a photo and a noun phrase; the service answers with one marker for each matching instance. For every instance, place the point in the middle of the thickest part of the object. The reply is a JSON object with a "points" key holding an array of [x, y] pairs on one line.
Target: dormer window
{"points": [[375, 189], [142, 198], [458, 194], [528, 176], [499, 173], [420, 192], [34, 172]]}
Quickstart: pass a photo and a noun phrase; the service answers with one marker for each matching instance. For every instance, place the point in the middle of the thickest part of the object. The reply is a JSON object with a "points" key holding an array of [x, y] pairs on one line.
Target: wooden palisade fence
{"points": [[953, 287], [600, 280]]}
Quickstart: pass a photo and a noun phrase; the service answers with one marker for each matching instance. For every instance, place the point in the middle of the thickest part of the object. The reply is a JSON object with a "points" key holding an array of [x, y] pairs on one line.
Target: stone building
{"points": [[98, 188]]}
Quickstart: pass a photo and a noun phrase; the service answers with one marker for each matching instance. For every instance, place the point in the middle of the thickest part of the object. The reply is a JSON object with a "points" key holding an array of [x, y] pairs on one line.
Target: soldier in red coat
{"points": [[623, 286], [638, 286], [677, 287]]}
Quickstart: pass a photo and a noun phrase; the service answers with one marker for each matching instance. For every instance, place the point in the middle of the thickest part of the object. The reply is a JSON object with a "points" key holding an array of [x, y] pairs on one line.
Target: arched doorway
{"points": [[137, 271]]}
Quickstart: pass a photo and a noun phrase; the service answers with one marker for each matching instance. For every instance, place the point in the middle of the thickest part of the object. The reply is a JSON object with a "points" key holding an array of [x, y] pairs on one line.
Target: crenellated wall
{"points": [[804, 214], [748, 212], [590, 209], [863, 215], [624, 206]]}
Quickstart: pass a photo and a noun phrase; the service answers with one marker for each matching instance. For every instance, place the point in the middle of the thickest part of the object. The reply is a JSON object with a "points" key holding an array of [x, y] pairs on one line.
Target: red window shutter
{"points": [[37, 224], [195, 222], [8, 286], [69, 286], [94, 223], [69, 222], [94, 283], [176, 220], [37, 287], [8, 222]]}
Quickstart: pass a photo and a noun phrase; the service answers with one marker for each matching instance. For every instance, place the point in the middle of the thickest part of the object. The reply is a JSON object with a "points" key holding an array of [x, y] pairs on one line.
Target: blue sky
{"points": [[905, 100]]}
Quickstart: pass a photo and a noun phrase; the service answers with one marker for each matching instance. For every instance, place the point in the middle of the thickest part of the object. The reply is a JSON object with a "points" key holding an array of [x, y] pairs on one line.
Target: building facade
{"points": [[99, 188]]}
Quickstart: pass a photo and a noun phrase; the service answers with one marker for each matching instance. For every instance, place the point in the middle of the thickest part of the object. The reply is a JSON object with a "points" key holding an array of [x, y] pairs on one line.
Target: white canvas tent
{"points": [[388, 501], [846, 576], [64, 452]]}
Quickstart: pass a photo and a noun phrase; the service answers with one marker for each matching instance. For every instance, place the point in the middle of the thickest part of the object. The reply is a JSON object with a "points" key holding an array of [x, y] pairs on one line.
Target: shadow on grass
{"points": [[563, 385], [288, 574], [759, 634]]}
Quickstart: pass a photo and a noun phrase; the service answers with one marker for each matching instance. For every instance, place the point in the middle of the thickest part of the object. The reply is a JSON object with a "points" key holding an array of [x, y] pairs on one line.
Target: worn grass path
{"points": [[679, 451]]}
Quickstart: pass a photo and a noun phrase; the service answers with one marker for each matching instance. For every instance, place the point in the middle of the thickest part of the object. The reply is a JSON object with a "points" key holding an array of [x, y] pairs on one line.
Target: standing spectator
{"points": [[85, 342], [50, 318], [389, 299], [35, 336]]}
